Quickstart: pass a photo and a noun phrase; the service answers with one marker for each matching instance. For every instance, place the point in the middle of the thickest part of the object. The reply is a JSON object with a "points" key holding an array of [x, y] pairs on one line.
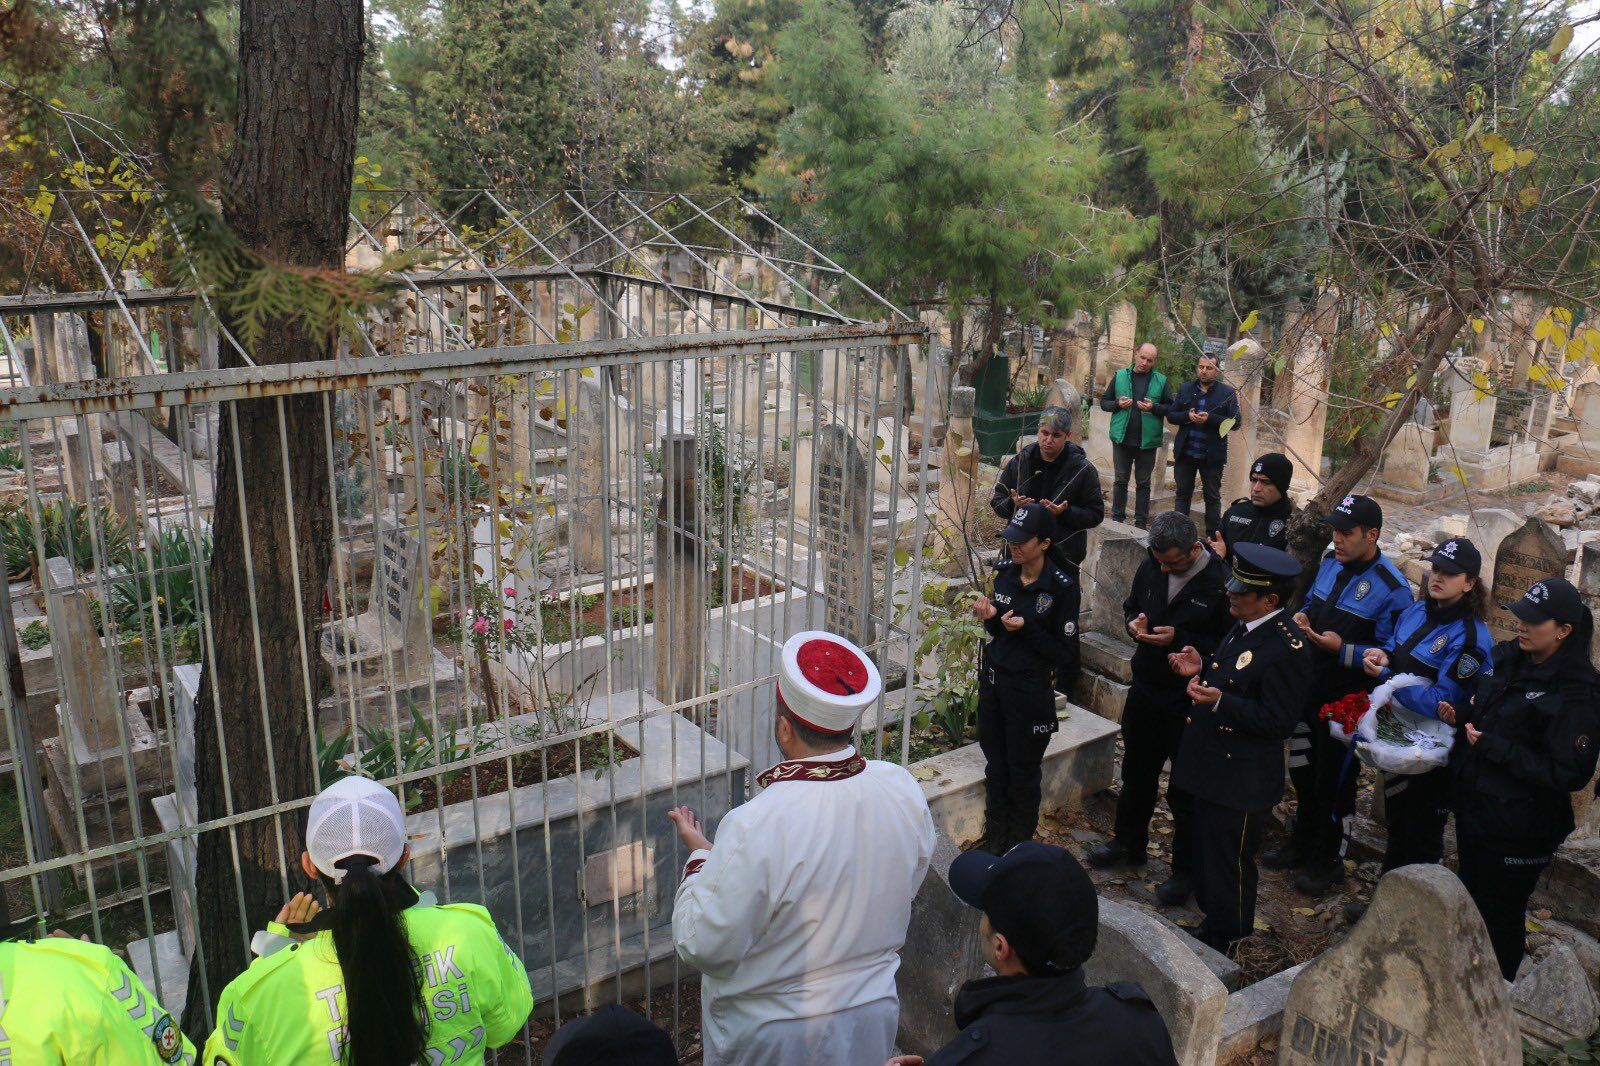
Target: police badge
{"points": [[167, 1039], [1438, 643], [1274, 527], [1242, 661], [1044, 601], [1362, 588]]}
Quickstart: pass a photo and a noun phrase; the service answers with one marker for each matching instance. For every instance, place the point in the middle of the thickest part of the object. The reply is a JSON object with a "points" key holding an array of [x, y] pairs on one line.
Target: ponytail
{"points": [[384, 1011]]}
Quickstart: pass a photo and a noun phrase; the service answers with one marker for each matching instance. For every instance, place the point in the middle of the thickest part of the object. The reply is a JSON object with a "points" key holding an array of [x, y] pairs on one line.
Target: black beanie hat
{"points": [[1277, 469]]}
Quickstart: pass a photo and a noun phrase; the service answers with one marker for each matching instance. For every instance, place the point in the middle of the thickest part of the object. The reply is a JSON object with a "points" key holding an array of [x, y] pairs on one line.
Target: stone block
{"points": [[1230, 973], [1101, 695], [1135, 946], [1414, 982], [942, 952], [1553, 1000], [1254, 1013], [1107, 656], [163, 966]]}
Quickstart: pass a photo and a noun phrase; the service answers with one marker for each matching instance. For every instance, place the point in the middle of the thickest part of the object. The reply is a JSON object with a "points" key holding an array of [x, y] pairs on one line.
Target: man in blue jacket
{"points": [[1202, 408]]}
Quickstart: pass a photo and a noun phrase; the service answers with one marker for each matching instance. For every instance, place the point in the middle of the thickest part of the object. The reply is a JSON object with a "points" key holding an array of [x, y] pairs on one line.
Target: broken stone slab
{"points": [[1108, 656], [1584, 946], [1135, 946], [1414, 982], [1230, 973], [1553, 1000], [1254, 1013], [942, 952]]}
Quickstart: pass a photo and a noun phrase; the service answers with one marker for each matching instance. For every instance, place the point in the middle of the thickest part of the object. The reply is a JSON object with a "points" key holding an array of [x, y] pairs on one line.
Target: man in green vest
{"points": [[1138, 399]]}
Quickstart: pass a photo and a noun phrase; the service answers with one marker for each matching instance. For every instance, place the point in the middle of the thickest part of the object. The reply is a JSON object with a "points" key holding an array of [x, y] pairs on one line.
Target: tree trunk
{"points": [[993, 327], [1308, 528], [287, 194]]}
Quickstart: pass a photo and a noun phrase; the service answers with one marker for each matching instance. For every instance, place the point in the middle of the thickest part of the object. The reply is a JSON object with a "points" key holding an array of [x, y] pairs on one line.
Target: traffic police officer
{"points": [[1032, 621], [65, 1001], [1178, 599], [1442, 637], [1353, 605], [1263, 516], [1246, 698]]}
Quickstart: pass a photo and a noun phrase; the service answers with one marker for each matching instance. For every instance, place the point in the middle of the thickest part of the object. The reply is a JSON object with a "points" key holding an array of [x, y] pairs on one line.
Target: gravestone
{"points": [[841, 519], [399, 579], [1553, 1000], [1415, 982], [1117, 550], [586, 451], [1404, 473], [1531, 554], [680, 584], [958, 496]]}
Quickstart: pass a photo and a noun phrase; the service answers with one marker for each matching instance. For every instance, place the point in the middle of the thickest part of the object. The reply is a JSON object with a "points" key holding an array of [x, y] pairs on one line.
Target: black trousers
{"points": [[1500, 885], [1184, 469], [1126, 459], [1015, 721], [1225, 874], [1416, 806], [1322, 784], [1152, 725]]}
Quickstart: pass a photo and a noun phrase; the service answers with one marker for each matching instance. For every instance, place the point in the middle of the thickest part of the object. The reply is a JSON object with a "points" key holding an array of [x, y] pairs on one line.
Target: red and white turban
{"points": [[826, 681]]}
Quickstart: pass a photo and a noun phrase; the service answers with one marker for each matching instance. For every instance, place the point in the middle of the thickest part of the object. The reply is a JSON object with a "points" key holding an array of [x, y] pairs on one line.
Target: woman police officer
{"points": [[1442, 637], [1526, 742], [1032, 621], [385, 975]]}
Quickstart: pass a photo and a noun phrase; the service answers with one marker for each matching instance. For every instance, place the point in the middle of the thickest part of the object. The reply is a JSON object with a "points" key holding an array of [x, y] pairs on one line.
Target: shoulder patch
{"points": [[1467, 664], [1128, 991], [167, 1039]]}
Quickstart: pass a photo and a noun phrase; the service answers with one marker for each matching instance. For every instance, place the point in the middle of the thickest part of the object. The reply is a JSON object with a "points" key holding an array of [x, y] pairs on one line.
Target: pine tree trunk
{"points": [[287, 194]]}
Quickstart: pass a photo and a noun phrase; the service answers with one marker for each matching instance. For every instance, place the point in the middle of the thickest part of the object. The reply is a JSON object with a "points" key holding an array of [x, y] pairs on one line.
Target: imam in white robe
{"points": [[796, 916]]}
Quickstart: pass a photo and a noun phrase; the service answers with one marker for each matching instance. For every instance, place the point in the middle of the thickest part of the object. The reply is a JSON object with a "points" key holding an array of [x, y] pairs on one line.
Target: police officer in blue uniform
{"points": [[1246, 699], [1353, 605], [1032, 621], [1441, 637]]}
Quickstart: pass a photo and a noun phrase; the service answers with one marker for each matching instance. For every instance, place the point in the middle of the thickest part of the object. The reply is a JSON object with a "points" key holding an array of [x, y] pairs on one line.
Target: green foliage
{"points": [[10, 457], [464, 483], [69, 531], [1573, 1051], [385, 754], [164, 597], [952, 643], [34, 635]]}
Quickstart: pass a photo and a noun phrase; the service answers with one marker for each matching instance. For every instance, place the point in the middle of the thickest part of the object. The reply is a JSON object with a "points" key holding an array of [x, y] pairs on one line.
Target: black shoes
{"points": [[1175, 890], [1319, 878], [1110, 853], [1286, 856]]}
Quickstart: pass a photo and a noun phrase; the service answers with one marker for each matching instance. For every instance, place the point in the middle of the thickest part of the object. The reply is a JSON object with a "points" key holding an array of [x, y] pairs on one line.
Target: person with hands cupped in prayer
{"points": [[1526, 742], [1032, 621]]}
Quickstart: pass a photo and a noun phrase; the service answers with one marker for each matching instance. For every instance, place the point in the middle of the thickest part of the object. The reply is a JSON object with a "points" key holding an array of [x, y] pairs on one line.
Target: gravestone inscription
{"points": [[1529, 555], [842, 516]]}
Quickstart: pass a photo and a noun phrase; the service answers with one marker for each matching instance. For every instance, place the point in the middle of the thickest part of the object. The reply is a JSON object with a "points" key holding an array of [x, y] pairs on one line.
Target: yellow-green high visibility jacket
{"points": [[77, 1004], [288, 1007]]}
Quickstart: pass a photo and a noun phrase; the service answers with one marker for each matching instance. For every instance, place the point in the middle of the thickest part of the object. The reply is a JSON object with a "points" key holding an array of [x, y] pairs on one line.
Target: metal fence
{"points": [[584, 474]]}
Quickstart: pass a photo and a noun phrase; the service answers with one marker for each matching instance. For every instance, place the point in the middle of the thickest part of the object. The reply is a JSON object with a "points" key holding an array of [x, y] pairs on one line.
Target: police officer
{"points": [[1525, 743], [1263, 516], [1178, 600], [1246, 698], [1057, 473], [1442, 637], [1040, 921], [1353, 605], [384, 975], [65, 1001], [1032, 621]]}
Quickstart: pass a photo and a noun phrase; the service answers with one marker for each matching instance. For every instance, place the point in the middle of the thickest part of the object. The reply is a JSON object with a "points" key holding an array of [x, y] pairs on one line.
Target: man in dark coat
{"points": [[1263, 516], [1057, 473], [1204, 410], [1040, 921]]}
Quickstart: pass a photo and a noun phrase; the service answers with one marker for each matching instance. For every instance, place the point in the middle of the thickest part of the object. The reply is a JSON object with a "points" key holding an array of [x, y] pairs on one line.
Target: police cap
{"points": [[1356, 511], [1458, 555], [1028, 521], [1261, 568], [1038, 897]]}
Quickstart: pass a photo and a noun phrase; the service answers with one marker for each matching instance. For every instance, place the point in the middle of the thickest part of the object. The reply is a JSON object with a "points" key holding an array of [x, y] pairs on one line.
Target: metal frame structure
{"points": [[512, 407]]}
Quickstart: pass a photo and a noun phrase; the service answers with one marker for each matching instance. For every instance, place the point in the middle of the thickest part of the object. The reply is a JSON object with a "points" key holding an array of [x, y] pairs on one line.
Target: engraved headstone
{"points": [[841, 517], [1531, 554], [680, 586], [1415, 982], [399, 579]]}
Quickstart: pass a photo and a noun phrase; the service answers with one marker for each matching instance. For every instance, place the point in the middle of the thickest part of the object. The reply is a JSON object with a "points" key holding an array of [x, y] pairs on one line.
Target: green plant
{"points": [[165, 598], [952, 647], [1024, 398], [417, 745], [10, 457], [35, 635], [69, 531], [1573, 1051], [463, 481]]}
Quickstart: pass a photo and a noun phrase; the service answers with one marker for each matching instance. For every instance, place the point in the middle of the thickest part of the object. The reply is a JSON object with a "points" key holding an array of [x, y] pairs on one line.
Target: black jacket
{"points": [[1541, 725], [1223, 403], [1075, 480], [1245, 523], [1021, 1021], [1232, 750], [1199, 614], [1046, 647]]}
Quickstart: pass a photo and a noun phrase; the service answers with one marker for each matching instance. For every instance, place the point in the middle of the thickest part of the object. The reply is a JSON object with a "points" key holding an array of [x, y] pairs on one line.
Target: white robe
{"points": [[796, 916]]}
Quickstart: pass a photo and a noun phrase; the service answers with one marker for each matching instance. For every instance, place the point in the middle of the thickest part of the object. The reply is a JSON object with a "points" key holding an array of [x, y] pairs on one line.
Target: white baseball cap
{"points": [[355, 816], [826, 681]]}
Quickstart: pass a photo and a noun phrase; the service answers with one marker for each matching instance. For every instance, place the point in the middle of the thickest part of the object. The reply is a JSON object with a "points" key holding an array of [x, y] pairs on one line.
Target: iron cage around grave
{"points": [[591, 465]]}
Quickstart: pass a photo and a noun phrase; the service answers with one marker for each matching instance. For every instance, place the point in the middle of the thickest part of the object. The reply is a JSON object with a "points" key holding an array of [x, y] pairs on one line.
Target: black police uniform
{"points": [[1016, 692], [1158, 703], [1245, 523], [1512, 789], [1010, 1021], [1231, 756]]}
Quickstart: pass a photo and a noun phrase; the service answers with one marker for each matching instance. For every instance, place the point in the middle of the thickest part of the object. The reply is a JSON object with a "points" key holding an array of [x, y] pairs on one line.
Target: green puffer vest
{"points": [[1150, 426]]}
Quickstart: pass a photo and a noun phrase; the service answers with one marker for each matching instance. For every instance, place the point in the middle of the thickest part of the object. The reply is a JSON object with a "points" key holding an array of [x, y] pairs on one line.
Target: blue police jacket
{"points": [[1363, 613], [1450, 647]]}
